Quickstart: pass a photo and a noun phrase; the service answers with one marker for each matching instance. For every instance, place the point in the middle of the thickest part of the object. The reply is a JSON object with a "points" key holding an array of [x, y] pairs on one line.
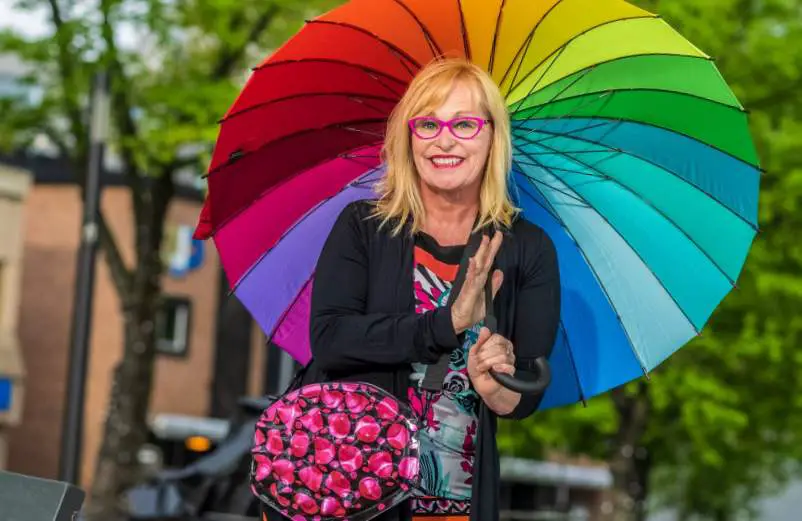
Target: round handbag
{"points": [[335, 451]]}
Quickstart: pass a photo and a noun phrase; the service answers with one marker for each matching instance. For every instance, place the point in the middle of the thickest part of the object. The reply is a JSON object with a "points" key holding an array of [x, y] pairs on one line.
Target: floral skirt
{"points": [[438, 509]]}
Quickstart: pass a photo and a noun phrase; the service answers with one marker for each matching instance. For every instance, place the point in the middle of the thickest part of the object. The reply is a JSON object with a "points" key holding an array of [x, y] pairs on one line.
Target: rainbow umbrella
{"points": [[630, 151]]}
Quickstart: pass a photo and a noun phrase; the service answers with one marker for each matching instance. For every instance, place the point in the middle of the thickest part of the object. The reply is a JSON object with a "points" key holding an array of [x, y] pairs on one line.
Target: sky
{"points": [[37, 23], [31, 23]]}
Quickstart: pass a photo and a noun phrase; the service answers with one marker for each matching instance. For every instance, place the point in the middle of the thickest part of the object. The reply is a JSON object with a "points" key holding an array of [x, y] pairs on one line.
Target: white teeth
{"points": [[450, 161]]}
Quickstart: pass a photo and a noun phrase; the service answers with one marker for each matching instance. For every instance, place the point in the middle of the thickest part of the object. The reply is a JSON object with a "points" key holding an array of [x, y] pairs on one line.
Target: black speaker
{"points": [[26, 498]]}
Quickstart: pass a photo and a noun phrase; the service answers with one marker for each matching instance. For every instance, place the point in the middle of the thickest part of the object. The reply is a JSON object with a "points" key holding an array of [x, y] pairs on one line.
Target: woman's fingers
{"points": [[487, 250], [495, 350], [484, 335], [479, 254], [488, 363], [504, 368], [469, 303], [498, 280], [493, 248], [484, 257]]}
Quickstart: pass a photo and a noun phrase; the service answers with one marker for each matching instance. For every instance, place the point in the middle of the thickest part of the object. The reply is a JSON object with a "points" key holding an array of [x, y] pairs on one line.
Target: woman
{"points": [[380, 308]]}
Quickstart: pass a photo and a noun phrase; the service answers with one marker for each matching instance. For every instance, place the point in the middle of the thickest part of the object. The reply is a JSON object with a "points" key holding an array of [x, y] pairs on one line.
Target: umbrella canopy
{"points": [[630, 150]]}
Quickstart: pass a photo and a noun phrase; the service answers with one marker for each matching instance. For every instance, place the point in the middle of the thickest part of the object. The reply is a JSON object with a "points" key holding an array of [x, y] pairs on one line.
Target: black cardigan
{"points": [[364, 326]]}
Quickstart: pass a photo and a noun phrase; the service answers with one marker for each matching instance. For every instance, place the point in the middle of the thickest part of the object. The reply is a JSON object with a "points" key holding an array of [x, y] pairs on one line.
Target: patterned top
{"points": [[450, 416]]}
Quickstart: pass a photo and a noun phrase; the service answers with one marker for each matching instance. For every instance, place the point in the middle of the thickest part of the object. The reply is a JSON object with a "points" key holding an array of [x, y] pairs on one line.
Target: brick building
{"points": [[14, 186], [186, 371]]}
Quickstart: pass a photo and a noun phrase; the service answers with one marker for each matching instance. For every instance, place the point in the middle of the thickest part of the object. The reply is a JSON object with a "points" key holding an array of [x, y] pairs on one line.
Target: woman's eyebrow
{"points": [[464, 113]]}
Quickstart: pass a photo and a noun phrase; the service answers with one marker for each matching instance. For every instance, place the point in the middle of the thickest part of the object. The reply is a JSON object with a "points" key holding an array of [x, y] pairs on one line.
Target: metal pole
{"points": [[72, 427]]}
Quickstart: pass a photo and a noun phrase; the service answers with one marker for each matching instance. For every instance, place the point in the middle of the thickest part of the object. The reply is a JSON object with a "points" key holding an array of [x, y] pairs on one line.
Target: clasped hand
{"points": [[491, 351]]}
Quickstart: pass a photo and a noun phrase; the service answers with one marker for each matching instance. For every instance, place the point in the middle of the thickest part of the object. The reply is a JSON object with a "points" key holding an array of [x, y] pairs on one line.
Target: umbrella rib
{"points": [[534, 86], [352, 96], [540, 106], [234, 158], [400, 52], [579, 202], [273, 187], [436, 50], [683, 134], [624, 239], [571, 40], [573, 132], [653, 207], [555, 135], [354, 158], [464, 31], [527, 42], [357, 99], [287, 310], [294, 225], [582, 104], [492, 58], [523, 49], [593, 271], [371, 73], [517, 126], [366, 132], [549, 153], [576, 80], [582, 396], [548, 208], [515, 107], [582, 73]]}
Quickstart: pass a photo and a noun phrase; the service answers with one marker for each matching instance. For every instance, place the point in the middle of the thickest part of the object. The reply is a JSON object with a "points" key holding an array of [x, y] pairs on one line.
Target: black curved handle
{"points": [[516, 384], [525, 386]]}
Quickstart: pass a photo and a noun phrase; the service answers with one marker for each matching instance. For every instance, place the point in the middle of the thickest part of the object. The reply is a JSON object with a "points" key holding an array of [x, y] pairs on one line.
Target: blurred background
{"points": [[715, 434]]}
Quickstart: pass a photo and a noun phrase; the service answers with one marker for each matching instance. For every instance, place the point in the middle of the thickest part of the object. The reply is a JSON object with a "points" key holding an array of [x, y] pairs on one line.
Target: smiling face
{"points": [[449, 165]]}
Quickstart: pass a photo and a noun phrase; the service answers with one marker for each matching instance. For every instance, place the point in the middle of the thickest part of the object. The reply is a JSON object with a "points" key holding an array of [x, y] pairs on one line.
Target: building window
{"points": [[173, 325]]}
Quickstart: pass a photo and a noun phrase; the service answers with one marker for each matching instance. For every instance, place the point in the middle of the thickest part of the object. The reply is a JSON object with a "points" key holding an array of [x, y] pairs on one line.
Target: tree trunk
{"points": [[126, 429], [643, 467], [629, 462], [722, 514]]}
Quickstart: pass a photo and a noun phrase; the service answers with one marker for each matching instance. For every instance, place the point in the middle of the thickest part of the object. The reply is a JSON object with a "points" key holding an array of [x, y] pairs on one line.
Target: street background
{"points": [[715, 434]]}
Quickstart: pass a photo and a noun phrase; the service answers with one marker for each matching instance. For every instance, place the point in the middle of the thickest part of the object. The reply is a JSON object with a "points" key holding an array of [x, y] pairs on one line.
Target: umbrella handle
{"points": [[516, 384], [525, 386]]}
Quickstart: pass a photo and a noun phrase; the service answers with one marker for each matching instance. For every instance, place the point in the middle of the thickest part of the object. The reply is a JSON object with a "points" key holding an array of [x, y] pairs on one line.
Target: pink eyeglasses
{"points": [[467, 127]]}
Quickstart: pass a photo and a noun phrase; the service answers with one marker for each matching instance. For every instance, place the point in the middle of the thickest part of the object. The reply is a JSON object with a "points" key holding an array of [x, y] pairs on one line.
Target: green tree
{"points": [[717, 426], [167, 93]]}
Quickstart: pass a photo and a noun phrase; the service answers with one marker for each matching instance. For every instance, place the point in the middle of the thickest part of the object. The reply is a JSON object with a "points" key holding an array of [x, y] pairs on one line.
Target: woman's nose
{"points": [[445, 140]]}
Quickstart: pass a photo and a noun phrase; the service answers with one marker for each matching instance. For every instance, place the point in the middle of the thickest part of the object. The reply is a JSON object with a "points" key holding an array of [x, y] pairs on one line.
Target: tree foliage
{"points": [[175, 67]]}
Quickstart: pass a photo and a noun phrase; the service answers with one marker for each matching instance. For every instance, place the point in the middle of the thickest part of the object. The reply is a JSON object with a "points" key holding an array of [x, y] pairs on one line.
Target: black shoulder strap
{"points": [[436, 373]]}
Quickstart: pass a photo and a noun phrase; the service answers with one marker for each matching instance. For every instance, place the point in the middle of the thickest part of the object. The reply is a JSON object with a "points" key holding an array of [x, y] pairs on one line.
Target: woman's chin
{"points": [[445, 188], [444, 182]]}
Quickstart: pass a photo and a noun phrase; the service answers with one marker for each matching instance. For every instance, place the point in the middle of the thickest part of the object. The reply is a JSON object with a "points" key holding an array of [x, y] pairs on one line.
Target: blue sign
{"points": [[188, 254], [5, 394]]}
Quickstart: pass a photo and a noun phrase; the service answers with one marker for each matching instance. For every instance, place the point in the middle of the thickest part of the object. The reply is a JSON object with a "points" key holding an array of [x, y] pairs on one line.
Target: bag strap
{"points": [[436, 373]]}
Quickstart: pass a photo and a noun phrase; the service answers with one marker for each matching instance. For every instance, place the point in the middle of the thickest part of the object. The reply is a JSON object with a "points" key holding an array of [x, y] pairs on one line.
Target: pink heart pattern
{"points": [[335, 451]]}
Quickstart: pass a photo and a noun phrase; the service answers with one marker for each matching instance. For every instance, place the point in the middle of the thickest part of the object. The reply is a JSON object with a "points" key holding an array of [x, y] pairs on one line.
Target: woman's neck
{"points": [[449, 219]]}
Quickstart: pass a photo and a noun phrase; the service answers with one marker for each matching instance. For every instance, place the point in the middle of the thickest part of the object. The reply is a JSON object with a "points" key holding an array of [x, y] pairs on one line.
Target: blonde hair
{"points": [[399, 190]]}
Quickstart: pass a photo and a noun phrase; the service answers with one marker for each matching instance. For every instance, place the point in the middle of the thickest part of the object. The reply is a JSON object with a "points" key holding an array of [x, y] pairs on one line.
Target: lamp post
{"points": [[72, 426]]}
